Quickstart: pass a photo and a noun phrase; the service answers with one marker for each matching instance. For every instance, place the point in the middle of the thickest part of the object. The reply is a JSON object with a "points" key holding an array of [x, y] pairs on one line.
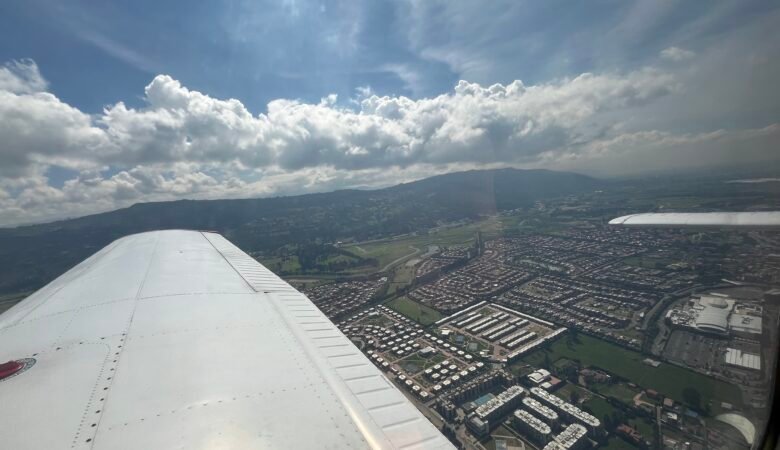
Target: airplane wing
{"points": [[178, 339], [768, 219]]}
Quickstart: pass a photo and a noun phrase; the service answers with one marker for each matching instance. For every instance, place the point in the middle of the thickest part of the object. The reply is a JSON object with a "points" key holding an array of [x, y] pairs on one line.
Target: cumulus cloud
{"points": [[676, 54], [21, 77], [37, 129], [183, 143], [471, 124]]}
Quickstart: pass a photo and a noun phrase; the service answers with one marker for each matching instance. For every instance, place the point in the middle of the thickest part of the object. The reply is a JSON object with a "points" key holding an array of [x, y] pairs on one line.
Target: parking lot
{"points": [[695, 350]]}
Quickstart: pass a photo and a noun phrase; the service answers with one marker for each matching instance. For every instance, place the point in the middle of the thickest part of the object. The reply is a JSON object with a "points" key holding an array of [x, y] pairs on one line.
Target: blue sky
{"points": [[368, 93], [97, 53]]}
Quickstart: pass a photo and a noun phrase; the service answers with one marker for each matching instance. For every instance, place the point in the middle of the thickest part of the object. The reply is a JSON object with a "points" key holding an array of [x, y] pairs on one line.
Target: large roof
{"points": [[713, 319], [741, 423], [764, 219], [737, 357], [714, 315], [178, 339]]}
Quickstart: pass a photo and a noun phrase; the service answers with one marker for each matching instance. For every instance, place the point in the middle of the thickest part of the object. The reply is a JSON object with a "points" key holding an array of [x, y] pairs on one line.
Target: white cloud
{"points": [[37, 129], [21, 77], [185, 144], [676, 54]]}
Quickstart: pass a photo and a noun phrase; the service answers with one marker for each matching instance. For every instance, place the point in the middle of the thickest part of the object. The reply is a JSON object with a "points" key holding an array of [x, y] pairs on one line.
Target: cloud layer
{"points": [[185, 144]]}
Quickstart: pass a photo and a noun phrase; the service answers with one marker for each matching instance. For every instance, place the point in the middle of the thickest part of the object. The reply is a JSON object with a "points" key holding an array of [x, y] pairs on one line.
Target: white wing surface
{"points": [[767, 219], [178, 339]]}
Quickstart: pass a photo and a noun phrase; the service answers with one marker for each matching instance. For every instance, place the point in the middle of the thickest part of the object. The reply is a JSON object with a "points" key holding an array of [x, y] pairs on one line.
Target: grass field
{"points": [[619, 391], [644, 426], [420, 362], [667, 379], [385, 252], [289, 264], [599, 406], [389, 250], [401, 277], [415, 311], [616, 443]]}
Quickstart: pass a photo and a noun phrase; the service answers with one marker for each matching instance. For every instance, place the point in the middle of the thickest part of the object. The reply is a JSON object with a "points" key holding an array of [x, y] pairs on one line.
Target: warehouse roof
{"points": [[737, 357]]}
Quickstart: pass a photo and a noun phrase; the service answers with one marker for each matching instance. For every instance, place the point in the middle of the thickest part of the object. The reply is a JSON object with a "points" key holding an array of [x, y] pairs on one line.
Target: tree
{"points": [[692, 397], [607, 421], [617, 418], [569, 372], [546, 361]]}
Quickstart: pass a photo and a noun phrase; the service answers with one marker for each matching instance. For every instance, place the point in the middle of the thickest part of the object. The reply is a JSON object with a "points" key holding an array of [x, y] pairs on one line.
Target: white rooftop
{"points": [[737, 357]]}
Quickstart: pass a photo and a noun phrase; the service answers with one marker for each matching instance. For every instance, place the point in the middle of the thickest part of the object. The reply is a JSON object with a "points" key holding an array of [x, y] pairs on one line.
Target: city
{"points": [[412, 225], [588, 337]]}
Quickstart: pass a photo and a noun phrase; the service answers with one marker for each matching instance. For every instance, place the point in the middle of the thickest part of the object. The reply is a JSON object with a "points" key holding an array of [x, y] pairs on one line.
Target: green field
{"points": [[644, 426], [389, 250], [415, 311], [401, 277], [420, 362], [385, 252], [616, 443], [287, 264], [599, 407], [619, 391], [667, 379], [400, 249]]}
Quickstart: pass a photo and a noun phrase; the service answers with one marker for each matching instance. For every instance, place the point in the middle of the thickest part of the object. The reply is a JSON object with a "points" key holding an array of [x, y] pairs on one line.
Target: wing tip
{"points": [[620, 220]]}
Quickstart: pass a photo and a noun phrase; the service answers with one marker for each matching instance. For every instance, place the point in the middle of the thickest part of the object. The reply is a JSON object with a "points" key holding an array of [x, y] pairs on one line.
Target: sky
{"points": [[107, 104]]}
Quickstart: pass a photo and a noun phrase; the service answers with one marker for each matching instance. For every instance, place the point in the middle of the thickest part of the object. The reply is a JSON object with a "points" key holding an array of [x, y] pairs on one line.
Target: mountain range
{"points": [[30, 256]]}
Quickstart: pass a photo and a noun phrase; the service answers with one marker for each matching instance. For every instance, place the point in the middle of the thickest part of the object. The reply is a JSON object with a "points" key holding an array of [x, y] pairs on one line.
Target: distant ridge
{"points": [[32, 255]]}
